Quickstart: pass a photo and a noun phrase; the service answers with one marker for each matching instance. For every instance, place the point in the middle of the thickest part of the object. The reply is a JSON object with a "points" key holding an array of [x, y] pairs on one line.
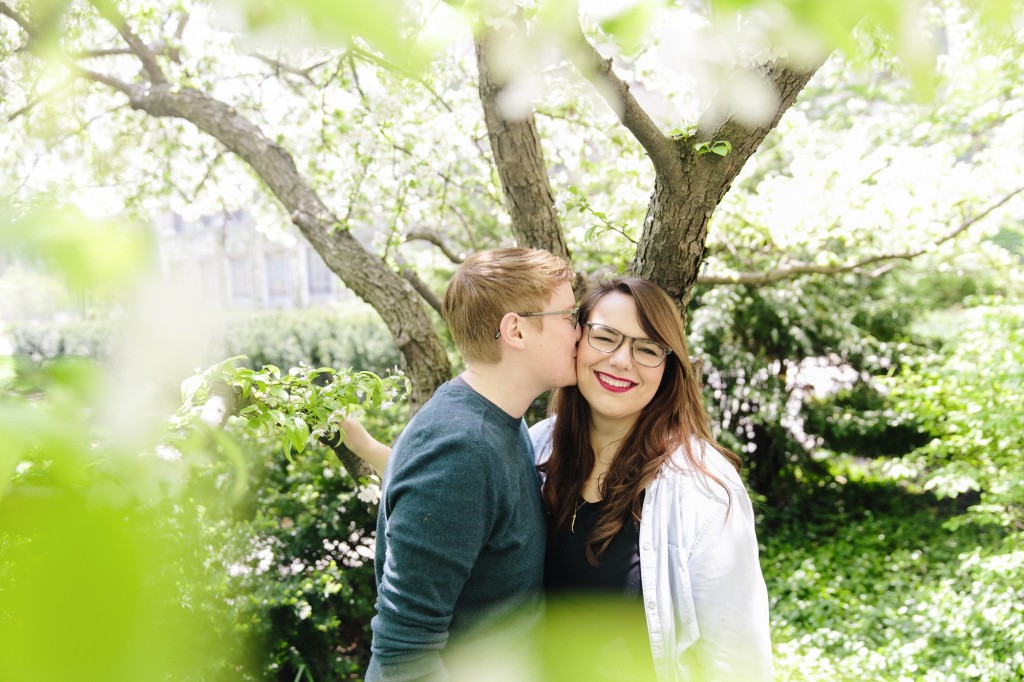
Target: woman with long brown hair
{"points": [[643, 503]]}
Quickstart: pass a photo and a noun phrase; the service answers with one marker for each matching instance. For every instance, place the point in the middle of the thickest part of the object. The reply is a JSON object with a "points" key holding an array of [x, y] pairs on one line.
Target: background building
{"points": [[226, 260]]}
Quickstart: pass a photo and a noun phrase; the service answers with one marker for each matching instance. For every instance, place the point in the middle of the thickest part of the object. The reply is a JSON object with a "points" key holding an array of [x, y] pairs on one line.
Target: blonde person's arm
{"points": [[365, 446]]}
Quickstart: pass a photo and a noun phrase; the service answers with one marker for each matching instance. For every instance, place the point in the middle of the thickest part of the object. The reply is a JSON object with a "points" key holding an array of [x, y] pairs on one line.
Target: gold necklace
{"points": [[572, 524]]}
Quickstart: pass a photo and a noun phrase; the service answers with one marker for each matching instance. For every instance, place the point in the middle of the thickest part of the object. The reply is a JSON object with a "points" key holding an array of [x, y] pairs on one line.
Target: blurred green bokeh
{"points": [[97, 581]]}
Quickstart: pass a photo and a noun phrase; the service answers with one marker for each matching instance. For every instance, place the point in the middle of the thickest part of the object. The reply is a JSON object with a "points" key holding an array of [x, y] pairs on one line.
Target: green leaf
{"points": [[721, 147]]}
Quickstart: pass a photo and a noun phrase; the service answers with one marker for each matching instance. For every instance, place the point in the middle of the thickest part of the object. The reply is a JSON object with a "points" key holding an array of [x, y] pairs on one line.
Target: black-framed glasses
{"points": [[573, 315], [608, 339]]}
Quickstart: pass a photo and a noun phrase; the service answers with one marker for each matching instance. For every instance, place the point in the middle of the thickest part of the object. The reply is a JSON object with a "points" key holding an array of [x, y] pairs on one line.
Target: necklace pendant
{"points": [[572, 523]]}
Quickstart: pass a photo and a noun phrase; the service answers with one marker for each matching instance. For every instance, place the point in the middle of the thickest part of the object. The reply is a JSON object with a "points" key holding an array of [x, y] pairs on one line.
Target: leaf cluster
{"points": [[969, 399], [867, 581], [293, 408]]}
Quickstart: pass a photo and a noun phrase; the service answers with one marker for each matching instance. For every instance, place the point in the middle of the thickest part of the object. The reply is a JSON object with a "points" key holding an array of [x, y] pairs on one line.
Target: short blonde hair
{"points": [[488, 285]]}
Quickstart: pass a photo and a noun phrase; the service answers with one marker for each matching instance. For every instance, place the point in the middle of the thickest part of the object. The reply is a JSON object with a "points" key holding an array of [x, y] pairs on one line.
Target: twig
{"points": [[110, 12], [436, 241]]}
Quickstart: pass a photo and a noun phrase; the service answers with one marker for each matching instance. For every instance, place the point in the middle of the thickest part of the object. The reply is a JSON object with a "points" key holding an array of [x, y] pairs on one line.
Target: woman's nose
{"points": [[623, 355]]}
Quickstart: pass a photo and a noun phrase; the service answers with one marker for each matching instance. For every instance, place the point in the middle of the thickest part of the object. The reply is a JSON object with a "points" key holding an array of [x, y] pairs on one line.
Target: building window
{"points": [[209, 278], [241, 279], [279, 275], [321, 279]]}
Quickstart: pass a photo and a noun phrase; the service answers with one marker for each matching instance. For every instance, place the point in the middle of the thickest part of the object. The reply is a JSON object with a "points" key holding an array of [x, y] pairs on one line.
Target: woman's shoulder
{"points": [[540, 434], [682, 470], [542, 429]]}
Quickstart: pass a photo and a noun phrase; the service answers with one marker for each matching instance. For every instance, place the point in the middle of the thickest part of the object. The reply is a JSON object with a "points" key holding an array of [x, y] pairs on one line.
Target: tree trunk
{"points": [[520, 162], [366, 274], [671, 247]]}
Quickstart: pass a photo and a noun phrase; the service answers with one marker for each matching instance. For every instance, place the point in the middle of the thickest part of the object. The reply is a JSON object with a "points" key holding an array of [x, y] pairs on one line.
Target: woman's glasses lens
{"points": [[608, 340]]}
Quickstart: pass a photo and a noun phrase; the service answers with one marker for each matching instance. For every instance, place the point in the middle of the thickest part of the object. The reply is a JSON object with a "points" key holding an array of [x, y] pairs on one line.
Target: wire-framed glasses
{"points": [[573, 315], [608, 339]]}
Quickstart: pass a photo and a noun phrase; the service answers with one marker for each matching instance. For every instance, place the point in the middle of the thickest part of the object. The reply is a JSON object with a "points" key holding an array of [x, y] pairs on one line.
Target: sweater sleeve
{"points": [[438, 507]]}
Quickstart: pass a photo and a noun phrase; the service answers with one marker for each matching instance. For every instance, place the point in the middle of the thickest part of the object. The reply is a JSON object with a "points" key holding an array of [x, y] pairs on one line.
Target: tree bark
{"points": [[672, 244], [519, 160]]}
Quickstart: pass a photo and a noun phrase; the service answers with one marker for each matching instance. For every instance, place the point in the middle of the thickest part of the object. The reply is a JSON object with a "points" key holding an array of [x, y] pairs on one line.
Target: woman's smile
{"points": [[613, 383]]}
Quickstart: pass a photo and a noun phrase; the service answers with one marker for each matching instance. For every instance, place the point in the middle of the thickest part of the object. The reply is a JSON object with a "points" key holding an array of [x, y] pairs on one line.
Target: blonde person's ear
{"points": [[510, 331]]}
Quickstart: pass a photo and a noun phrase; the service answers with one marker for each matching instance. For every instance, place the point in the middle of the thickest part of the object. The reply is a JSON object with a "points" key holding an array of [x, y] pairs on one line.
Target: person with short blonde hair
{"points": [[460, 531], [491, 283]]}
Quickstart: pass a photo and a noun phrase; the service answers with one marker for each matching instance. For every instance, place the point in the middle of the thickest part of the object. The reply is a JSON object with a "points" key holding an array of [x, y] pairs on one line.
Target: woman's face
{"points": [[614, 385]]}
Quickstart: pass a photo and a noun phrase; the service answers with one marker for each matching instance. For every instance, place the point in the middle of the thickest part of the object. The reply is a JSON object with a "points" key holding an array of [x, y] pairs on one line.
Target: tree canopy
{"points": [[617, 137]]}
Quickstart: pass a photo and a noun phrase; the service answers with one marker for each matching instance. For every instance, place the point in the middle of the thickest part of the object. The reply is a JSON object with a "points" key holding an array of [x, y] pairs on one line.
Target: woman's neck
{"points": [[605, 438]]}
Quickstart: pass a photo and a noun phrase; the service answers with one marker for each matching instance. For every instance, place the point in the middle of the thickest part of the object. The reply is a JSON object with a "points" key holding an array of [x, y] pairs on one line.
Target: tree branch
{"points": [[598, 71], [97, 77], [109, 11], [303, 73], [437, 241], [760, 278], [418, 284], [8, 11], [206, 176], [179, 31], [394, 68], [35, 101], [366, 274], [89, 54]]}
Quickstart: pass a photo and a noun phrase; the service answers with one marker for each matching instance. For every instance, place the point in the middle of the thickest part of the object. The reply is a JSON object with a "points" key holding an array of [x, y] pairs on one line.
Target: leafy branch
{"points": [[581, 203], [858, 266], [296, 409]]}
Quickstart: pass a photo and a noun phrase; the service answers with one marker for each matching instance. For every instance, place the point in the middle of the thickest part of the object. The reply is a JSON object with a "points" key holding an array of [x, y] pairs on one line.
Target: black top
{"points": [[605, 602], [566, 565]]}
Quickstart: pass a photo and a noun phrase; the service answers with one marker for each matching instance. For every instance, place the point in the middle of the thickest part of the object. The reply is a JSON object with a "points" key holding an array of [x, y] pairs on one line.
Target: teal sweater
{"points": [[460, 534]]}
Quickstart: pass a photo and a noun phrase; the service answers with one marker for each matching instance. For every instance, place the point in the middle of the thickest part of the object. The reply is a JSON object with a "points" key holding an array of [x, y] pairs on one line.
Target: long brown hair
{"points": [[673, 418]]}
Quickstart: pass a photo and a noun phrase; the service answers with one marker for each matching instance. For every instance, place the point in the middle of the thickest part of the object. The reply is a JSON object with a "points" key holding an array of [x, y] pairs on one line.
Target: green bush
{"points": [[295, 564], [969, 399], [351, 336], [95, 576], [295, 549], [242, 553], [318, 337], [862, 421], [868, 583], [751, 339], [40, 341]]}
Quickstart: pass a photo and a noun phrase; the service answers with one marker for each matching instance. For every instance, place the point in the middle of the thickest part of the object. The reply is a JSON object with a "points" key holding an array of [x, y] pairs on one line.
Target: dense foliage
{"points": [[258, 561], [346, 336], [295, 550], [969, 400], [870, 581]]}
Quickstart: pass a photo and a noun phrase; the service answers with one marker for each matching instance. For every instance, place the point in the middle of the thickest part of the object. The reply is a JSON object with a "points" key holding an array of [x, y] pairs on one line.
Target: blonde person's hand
{"points": [[366, 447]]}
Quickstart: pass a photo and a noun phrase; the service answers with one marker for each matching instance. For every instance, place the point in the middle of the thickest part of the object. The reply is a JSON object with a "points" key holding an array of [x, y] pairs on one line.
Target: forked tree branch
{"points": [[109, 11], [598, 71]]}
